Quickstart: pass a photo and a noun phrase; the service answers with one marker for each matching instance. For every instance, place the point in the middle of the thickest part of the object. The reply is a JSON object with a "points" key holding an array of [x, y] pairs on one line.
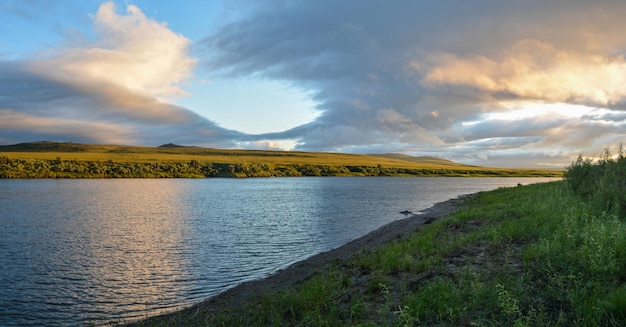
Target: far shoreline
{"points": [[72, 160]]}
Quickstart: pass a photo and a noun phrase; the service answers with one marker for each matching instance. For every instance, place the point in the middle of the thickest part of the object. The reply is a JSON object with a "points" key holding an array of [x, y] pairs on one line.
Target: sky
{"points": [[492, 83]]}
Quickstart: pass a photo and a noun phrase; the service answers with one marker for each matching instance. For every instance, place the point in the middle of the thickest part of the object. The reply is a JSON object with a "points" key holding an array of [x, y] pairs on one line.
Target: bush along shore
{"points": [[59, 168], [550, 254]]}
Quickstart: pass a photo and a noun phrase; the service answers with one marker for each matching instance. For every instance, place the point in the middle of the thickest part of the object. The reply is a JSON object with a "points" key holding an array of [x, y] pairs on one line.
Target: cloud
{"points": [[532, 69], [114, 89], [483, 82], [409, 74], [262, 145], [18, 125], [132, 51]]}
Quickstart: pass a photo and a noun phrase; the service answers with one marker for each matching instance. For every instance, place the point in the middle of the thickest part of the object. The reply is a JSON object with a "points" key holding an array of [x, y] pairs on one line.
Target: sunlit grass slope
{"points": [[422, 160], [74, 151], [245, 163]]}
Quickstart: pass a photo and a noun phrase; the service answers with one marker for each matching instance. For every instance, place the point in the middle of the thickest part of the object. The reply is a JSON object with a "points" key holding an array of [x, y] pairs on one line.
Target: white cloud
{"points": [[132, 51], [280, 145], [114, 89]]}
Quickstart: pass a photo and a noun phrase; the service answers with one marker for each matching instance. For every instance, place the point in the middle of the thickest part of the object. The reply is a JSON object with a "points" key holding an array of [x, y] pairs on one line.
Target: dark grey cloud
{"points": [[408, 73]]}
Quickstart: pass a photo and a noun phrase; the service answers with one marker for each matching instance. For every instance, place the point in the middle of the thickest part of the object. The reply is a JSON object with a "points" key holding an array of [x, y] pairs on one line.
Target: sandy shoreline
{"points": [[300, 271]]}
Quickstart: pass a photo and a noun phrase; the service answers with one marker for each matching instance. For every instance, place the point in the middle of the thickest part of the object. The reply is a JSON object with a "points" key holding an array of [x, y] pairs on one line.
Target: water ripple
{"points": [[78, 252]]}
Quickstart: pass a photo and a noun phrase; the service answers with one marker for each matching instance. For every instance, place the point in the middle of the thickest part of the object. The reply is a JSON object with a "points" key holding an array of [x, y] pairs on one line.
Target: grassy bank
{"points": [[71, 160], [535, 255]]}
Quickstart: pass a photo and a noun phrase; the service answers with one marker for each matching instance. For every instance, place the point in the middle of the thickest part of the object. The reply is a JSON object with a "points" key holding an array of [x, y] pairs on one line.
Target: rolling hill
{"points": [[143, 161]]}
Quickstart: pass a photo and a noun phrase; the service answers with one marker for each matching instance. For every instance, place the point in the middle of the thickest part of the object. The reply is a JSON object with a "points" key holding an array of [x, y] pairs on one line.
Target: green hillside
{"points": [[74, 160], [421, 159]]}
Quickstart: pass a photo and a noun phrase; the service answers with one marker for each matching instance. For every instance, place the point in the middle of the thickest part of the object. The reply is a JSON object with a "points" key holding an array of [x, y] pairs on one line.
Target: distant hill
{"points": [[421, 159], [47, 146], [176, 146], [50, 146], [25, 160], [231, 162]]}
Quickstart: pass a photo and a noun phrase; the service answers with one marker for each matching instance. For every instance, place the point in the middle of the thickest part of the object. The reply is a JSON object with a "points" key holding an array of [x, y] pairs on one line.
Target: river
{"points": [[76, 252]]}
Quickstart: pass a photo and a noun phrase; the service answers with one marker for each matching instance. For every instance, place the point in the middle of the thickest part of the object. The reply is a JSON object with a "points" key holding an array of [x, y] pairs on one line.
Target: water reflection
{"points": [[135, 247], [101, 248]]}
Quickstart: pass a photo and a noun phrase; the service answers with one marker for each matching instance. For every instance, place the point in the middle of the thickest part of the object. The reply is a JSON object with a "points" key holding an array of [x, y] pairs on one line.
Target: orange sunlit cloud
{"points": [[537, 70]]}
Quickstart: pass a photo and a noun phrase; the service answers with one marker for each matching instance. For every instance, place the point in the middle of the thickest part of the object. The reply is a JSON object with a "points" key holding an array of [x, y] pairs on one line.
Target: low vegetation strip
{"points": [[70, 160], [537, 255], [59, 168]]}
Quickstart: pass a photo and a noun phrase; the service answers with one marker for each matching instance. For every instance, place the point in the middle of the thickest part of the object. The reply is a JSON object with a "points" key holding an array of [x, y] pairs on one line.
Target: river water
{"points": [[76, 252]]}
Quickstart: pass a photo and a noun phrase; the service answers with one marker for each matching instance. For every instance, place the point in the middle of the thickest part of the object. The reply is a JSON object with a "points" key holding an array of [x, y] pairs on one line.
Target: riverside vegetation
{"points": [[72, 160], [551, 254]]}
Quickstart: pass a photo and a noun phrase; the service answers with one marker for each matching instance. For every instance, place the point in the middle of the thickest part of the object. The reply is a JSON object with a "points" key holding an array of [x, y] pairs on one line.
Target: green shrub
{"points": [[601, 183]]}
